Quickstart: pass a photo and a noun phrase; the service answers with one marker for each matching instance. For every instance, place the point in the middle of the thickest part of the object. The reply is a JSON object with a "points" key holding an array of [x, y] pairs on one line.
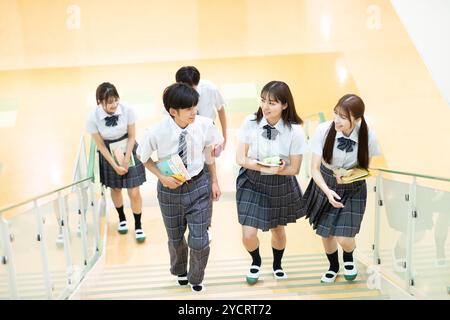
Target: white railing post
{"points": [[65, 228], [7, 258], [82, 224], [44, 255], [412, 214], [95, 218], [378, 204]]}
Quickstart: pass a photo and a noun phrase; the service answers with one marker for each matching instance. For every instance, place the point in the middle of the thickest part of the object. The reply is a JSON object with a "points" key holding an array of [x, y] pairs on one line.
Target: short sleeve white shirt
{"points": [[341, 158], [210, 100], [164, 139], [96, 122], [288, 141]]}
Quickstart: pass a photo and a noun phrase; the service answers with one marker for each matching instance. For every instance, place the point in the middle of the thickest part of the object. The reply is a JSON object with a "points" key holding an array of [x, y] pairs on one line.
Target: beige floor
{"points": [[122, 250], [141, 271]]}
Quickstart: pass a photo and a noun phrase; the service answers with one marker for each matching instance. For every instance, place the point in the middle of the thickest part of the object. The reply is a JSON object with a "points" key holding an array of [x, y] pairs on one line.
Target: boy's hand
{"points": [[170, 182], [224, 143], [215, 191], [217, 150]]}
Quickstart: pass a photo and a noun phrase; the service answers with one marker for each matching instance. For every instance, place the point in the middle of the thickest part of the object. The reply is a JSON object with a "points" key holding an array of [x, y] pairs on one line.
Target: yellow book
{"points": [[179, 177], [352, 175]]}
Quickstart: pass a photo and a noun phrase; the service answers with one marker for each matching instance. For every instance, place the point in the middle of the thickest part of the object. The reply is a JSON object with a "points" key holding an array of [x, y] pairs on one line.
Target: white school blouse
{"points": [[96, 122], [164, 139], [288, 141], [342, 159], [210, 99]]}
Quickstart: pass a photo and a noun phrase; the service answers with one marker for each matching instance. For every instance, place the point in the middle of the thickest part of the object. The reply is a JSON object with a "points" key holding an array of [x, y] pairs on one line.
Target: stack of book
{"points": [[174, 167]]}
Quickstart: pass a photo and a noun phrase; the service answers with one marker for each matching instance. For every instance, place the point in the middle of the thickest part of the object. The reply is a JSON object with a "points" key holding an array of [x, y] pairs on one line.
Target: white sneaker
{"points": [[140, 235], [123, 227], [351, 273], [197, 288], [182, 280], [325, 279], [252, 277], [277, 272]]}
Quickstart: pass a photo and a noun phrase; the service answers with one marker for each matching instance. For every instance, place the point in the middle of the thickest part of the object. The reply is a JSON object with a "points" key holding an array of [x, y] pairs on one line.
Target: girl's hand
{"points": [[331, 195], [279, 169], [282, 165], [215, 191], [338, 174], [170, 182], [339, 179], [125, 163], [120, 170]]}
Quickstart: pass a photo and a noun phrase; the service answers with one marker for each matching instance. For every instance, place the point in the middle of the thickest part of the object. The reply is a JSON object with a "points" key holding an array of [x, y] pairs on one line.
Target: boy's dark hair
{"points": [[180, 96], [189, 75], [105, 91]]}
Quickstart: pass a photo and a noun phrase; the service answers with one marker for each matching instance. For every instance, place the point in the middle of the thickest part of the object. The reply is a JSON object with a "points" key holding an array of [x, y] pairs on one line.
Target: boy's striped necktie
{"points": [[182, 147]]}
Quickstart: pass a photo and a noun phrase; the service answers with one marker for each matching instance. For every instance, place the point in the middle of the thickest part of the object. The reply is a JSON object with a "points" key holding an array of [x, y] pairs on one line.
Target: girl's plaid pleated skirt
{"points": [[109, 178], [330, 221], [267, 201]]}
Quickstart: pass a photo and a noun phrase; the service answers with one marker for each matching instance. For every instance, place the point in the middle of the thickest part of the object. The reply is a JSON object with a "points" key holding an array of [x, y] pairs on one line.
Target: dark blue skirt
{"points": [[109, 178], [267, 201], [330, 221]]}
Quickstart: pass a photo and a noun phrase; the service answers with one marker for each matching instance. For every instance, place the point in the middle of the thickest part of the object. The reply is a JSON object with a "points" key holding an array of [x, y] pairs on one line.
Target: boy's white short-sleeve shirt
{"points": [[210, 100], [163, 138]]}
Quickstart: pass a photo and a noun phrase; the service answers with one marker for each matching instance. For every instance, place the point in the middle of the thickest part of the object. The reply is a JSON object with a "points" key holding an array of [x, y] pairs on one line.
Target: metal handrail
{"points": [[73, 276], [42, 195], [418, 175], [89, 178]]}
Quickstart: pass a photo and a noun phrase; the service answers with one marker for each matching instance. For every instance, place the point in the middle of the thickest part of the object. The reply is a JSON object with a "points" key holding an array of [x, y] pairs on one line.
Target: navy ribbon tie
{"points": [[345, 144], [111, 121], [269, 132]]}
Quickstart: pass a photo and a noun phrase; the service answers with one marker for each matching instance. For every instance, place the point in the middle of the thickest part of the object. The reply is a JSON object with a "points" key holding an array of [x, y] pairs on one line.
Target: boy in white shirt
{"points": [[189, 204], [210, 102]]}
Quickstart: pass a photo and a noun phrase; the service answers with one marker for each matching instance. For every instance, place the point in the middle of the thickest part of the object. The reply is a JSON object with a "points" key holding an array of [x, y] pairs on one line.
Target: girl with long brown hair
{"points": [[268, 195], [335, 210]]}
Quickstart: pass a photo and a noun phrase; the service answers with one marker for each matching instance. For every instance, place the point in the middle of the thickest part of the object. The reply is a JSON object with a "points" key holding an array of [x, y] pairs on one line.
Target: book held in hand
{"points": [[174, 167], [118, 150], [352, 175]]}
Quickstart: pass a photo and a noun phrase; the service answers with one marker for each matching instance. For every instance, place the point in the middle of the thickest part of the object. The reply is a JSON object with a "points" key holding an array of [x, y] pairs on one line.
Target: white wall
{"points": [[428, 25]]}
